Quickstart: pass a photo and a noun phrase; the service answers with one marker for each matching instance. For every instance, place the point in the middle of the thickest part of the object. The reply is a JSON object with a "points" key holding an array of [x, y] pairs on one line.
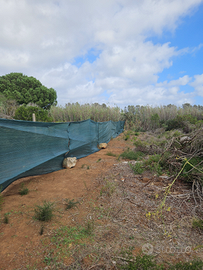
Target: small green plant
{"points": [[6, 220], [98, 160], [87, 166], [111, 154], [152, 163], [23, 190], [126, 137], [195, 264], [197, 223], [50, 258], [132, 155], [144, 262], [108, 188], [44, 212], [41, 230], [70, 204], [137, 168], [89, 227], [64, 237]]}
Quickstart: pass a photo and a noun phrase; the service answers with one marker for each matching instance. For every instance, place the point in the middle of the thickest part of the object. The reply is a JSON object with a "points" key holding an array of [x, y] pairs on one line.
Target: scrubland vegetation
{"points": [[138, 118], [167, 141]]}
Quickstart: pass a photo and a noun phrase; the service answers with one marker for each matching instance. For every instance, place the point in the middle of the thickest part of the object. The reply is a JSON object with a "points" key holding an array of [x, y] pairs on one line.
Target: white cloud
{"points": [[181, 81], [198, 84], [42, 38]]}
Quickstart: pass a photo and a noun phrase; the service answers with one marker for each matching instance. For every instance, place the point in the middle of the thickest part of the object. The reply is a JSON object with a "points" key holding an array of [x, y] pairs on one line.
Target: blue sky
{"points": [[118, 52], [188, 34]]}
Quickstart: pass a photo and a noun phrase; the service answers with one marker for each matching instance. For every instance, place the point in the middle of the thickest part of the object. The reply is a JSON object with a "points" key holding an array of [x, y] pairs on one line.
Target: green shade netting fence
{"points": [[34, 148]]}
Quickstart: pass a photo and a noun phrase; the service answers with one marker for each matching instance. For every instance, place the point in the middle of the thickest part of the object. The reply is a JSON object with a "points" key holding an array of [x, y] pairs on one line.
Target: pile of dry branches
{"points": [[185, 154]]}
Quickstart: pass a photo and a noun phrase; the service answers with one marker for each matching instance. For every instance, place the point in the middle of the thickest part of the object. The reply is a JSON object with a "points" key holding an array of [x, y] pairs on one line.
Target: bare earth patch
{"points": [[114, 213]]}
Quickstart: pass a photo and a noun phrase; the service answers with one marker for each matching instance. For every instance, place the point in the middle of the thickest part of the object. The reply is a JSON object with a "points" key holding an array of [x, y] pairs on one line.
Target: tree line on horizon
{"points": [[20, 96]]}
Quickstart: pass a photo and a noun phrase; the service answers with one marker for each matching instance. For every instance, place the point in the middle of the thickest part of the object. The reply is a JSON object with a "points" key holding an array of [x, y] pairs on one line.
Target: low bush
{"points": [[108, 188], [181, 122], [111, 154], [44, 212], [196, 264], [132, 155], [197, 223], [147, 262], [6, 220], [137, 168], [70, 204], [144, 262]]}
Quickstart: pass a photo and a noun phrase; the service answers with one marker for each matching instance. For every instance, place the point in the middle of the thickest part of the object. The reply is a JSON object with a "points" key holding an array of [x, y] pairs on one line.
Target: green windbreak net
{"points": [[34, 148]]}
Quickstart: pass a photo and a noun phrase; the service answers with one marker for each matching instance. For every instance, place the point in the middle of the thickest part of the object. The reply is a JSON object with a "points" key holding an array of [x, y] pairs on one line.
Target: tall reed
{"points": [[148, 117], [76, 112]]}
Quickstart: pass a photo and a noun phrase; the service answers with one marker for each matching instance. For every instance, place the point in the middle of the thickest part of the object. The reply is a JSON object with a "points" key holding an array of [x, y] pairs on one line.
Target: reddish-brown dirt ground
{"points": [[22, 232], [22, 246]]}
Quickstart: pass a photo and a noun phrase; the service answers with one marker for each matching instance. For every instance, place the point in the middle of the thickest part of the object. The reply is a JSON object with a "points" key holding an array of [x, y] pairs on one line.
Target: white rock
{"points": [[102, 145], [69, 162], [185, 139]]}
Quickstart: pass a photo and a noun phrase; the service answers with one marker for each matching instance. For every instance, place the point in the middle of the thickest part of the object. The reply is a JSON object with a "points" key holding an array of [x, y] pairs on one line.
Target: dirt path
{"points": [[111, 196]]}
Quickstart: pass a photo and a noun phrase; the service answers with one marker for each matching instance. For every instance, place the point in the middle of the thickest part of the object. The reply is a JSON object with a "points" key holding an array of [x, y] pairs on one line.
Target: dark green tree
{"points": [[26, 89], [25, 113]]}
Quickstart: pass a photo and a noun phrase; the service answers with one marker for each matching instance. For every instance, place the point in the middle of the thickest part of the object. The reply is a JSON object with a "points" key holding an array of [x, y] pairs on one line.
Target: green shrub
{"points": [[189, 171], [197, 223], [132, 155], [111, 154], [155, 121], [196, 264], [70, 204], [6, 220], [152, 159], [89, 228], [180, 122], [137, 168], [152, 164], [25, 113], [144, 262], [44, 212], [126, 137], [147, 262], [108, 188]]}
